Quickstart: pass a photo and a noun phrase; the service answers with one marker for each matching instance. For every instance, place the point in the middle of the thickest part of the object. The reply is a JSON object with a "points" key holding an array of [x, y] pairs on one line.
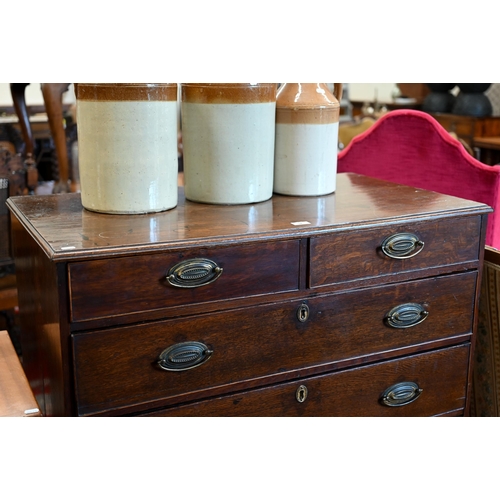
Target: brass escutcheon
{"points": [[303, 312], [301, 394]]}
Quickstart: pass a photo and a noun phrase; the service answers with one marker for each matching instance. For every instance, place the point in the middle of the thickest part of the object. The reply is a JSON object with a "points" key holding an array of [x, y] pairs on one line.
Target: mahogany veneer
{"points": [[296, 308]]}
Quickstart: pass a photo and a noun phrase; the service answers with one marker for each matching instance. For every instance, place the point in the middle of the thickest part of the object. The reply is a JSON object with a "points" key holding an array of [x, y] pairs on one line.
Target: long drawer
{"points": [[392, 249], [120, 366], [423, 385], [110, 287]]}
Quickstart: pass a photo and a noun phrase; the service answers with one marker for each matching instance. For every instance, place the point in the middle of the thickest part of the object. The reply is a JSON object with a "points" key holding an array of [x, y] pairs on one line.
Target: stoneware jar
{"points": [[127, 146], [228, 132], [307, 127]]}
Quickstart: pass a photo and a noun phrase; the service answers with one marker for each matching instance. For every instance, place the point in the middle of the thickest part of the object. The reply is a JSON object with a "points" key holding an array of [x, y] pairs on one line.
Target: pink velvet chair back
{"points": [[410, 147]]}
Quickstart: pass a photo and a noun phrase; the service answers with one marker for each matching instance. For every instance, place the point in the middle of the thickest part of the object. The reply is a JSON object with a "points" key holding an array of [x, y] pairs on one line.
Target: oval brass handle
{"points": [[193, 273], [184, 356], [406, 315], [402, 246], [400, 394]]}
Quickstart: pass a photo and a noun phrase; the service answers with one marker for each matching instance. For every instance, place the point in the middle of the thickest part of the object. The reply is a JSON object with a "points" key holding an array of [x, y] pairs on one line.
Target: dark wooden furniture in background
{"points": [[489, 149], [16, 397], [18, 176], [66, 178], [469, 127], [417, 91], [360, 303], [389, 106], [39, 123]]}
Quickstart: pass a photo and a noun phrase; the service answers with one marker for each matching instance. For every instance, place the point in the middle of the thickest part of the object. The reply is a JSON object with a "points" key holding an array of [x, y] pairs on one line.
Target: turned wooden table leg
{"points": [[52, 96], [17, 91]]}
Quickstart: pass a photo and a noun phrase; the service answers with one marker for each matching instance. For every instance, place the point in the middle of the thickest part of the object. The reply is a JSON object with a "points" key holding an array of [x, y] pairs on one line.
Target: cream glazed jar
{"points": [[307, 126], [228, 133], [127, 146]]}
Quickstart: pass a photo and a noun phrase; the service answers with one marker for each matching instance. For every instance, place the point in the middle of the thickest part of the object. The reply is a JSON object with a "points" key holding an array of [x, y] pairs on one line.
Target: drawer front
{"points": [[104, 288], [355, 255], [118, 367], [419, 386]]}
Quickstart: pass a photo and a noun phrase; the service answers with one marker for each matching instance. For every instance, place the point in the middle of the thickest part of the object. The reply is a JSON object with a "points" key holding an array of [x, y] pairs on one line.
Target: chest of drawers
{"points": [[360, 303]]}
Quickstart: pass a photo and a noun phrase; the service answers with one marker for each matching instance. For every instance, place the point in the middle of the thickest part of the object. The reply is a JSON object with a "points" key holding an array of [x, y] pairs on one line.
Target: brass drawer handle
{"points": [[184, 356], [193, 273], [406, 315], [402, 246], [400, 394]]}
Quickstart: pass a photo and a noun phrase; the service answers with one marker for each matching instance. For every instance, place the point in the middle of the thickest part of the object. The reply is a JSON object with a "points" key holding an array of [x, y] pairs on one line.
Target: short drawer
{"points": [[109, 287], [119, 367], [391, 249], [416, 386]]}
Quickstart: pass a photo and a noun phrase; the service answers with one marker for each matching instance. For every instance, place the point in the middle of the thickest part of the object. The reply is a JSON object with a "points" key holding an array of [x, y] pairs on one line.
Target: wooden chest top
{"points": [[66, 231]]}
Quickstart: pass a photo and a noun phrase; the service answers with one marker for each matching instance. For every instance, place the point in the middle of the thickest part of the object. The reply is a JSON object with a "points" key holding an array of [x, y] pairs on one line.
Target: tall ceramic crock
{"points": [[307, 127], [127, 146], [228, 132]]}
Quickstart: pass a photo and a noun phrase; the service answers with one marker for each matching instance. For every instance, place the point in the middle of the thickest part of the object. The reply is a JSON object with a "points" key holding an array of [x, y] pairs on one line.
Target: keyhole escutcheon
{"points": [[303, 312], [301, 394]]}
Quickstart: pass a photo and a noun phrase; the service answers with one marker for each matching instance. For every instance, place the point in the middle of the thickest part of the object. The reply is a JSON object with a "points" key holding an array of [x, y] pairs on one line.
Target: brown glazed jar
{"points": [[127, 146], [228, 132], [307, 126]]}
